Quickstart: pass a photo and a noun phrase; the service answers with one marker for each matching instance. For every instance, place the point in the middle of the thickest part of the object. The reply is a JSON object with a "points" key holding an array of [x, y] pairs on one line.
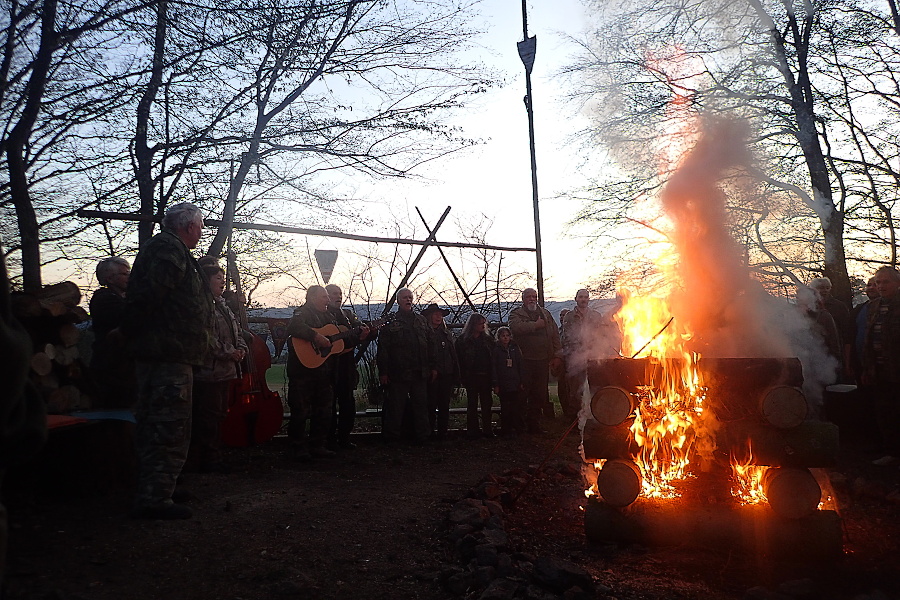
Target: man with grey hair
{"points": [[838, 311], [167, 326], [537, 335], [405, 360]]}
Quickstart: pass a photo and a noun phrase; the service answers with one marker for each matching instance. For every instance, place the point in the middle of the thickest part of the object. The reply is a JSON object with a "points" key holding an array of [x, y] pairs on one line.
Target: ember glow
{"points": [[747, 483]]}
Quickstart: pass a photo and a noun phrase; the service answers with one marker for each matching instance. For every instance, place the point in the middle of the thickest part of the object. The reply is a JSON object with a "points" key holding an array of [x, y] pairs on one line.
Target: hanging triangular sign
{"points": [[326, 260]]}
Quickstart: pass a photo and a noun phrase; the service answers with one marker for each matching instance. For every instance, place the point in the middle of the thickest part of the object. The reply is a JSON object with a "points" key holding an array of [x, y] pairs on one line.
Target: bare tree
{"points": [[795, 70]]}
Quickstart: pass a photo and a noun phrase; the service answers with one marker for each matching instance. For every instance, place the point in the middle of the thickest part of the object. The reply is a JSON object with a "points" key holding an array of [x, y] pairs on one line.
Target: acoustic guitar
{"points": [[313, 357]]}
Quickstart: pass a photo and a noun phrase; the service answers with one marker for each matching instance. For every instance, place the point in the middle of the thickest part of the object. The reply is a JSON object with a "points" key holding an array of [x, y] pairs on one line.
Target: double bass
{"points": [[255, 413]]}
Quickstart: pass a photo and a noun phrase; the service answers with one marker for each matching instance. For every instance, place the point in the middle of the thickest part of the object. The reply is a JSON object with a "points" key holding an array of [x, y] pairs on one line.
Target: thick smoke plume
{"points": [[729, 312]]}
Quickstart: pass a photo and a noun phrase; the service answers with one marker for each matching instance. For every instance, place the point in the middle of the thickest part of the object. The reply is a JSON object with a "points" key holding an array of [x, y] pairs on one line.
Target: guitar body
{"points": [[312, 357]]}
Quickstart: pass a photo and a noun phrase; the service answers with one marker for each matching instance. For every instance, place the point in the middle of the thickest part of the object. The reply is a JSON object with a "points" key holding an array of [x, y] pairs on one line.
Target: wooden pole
{"points": [[361, 349], [527, 49], [102, 214], [429, 241], [447, 262]]}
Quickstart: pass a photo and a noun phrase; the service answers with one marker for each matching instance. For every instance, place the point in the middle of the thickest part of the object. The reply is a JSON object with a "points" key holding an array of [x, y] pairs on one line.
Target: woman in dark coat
{"points": [[473, 349], [111, 367]]}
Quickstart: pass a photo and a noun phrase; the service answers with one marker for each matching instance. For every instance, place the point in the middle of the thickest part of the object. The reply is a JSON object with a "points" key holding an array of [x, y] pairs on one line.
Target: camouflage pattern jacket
{"points": [[881, 358], [168, 307], [227, 338], [536, 342], [405, 349]]}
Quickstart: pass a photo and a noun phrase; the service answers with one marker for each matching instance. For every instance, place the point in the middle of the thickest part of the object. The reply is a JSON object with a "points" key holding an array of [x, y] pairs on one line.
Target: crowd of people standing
{"points": [[185, 345], [166, 321]]}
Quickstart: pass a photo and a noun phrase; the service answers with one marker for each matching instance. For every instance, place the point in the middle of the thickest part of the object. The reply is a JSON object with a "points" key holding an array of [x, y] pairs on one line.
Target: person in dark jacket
{"points": [[310, 394], [474, 348], [344, 376], [167, 326], [23, 424], [440, 389], [881, 361], [507, 378], [537, 335], [405, 366], [111, 367], [213, 381]]}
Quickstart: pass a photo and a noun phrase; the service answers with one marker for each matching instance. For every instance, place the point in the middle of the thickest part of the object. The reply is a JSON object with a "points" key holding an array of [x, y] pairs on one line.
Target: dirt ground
{"points": [[369, 524]]}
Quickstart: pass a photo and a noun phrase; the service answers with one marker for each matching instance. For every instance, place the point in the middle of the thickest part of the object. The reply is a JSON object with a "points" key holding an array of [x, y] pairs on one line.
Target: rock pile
{"points": [[490, 568]]}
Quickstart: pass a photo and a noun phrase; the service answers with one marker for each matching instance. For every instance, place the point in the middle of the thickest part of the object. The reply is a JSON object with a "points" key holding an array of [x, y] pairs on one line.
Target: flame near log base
{"points": [[758, 414]]}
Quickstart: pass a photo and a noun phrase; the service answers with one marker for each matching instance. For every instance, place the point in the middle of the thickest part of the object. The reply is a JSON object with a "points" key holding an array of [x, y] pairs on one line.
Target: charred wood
{"points": [[603, 441], [812, 444], [792, 492], [817, 537]]}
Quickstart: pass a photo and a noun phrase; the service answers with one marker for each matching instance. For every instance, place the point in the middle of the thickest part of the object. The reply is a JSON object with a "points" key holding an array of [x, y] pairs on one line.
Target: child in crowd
{"points": [[507, 378]]}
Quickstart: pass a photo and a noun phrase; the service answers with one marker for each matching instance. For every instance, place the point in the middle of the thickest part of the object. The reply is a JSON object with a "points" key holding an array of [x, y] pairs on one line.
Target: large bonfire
{"points": [[708, 306]]}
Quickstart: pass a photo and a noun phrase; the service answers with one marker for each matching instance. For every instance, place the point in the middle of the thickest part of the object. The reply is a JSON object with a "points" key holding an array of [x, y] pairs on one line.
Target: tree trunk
{"points": [[143, 154], [16, 150], [799, 87], [619, 482], [812, 444]]}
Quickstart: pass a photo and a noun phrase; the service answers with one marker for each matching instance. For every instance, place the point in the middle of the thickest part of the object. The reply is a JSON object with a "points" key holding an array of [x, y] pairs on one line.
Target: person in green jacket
{"points": [[167, 327]]}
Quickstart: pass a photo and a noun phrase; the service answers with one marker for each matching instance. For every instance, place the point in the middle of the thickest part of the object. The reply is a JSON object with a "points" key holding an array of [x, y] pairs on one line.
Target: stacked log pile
{"points": [[761, 419], [51, 317]]}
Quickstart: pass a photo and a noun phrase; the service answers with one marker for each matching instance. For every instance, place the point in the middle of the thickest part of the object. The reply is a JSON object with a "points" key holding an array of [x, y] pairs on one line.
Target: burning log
{"points": [[752, 376], [612, 405], [792, 493], [784, 407], [603, 441], [812, 444], [817, 537], [619, 482]]}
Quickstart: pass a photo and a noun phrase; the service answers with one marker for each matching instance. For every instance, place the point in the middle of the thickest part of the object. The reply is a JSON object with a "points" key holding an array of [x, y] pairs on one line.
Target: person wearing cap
{"points": [[440, 388]]}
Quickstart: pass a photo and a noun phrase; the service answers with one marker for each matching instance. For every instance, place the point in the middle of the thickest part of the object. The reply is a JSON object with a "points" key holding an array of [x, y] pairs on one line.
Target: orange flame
{"points": [[670, 411], [746, 481]]}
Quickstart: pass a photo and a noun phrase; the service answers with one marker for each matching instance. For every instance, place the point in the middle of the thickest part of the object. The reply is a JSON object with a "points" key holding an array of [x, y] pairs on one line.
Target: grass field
{"points": [[276, 378]]}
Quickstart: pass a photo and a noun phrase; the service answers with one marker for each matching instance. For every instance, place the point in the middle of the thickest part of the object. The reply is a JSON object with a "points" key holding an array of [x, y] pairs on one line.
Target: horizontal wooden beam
{"points": [[118, 216]]}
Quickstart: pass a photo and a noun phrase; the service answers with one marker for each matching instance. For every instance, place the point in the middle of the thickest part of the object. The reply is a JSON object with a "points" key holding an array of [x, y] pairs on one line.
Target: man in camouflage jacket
{"points": [[405, 362], [537, 335], [166, 325]]}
